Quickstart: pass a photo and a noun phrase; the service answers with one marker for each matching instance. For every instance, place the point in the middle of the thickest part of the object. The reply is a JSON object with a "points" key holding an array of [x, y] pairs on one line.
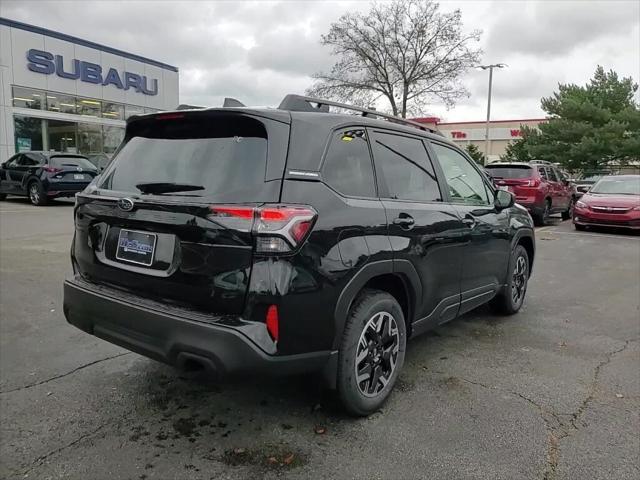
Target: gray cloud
{"points": [[260, 51], [558, 27]]}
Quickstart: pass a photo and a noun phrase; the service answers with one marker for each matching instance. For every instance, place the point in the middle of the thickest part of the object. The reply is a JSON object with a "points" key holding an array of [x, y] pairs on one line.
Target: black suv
{"points": [[290, 240]]}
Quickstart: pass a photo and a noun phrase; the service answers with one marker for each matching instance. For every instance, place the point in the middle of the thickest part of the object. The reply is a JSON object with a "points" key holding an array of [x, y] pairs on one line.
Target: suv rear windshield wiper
{"points": [[167, 187]]}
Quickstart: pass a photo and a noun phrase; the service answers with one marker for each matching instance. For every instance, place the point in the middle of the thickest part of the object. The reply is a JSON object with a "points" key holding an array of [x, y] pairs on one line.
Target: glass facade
{"points": [[89, 107], [65, 136], [91, 139]]}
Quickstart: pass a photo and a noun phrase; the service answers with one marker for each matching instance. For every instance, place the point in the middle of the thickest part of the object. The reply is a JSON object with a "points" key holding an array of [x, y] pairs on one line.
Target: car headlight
{"points": [[637, 209], [580, 204]]}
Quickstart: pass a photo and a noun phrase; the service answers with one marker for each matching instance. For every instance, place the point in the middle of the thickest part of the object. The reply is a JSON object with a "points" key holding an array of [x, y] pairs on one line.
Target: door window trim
{"points": [[490, 189], [382, 186]]}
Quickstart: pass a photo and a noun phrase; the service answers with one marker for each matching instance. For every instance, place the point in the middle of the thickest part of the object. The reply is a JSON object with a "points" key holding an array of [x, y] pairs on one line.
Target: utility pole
{"points": [[486, 130]]}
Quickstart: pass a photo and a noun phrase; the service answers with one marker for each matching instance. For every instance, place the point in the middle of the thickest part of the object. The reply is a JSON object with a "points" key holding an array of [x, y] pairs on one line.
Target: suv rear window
{"points": [[509, 171], [60, 161], [225, 155]]}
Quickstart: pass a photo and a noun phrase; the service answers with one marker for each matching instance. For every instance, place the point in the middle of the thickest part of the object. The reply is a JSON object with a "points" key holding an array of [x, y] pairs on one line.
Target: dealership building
{"points": [[501, 132], [62, 93]]}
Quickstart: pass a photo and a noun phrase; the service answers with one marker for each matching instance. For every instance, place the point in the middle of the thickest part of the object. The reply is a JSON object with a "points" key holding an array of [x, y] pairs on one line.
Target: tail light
{"points": [[534, 182], [273, 322], [49, 169], [278, 228]]}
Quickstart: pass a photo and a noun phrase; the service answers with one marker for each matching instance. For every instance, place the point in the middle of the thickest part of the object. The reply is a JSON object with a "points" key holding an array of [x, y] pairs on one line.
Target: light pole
{"points": [[486, 131]]}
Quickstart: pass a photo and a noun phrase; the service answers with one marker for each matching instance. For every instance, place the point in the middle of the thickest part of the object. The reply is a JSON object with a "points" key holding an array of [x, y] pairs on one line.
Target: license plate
{"points": [[136, 247], [78, 176]]}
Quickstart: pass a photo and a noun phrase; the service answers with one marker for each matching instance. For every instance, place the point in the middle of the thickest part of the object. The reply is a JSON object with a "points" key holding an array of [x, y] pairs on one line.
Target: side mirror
{"points": [[583, 188], [503, 199]]}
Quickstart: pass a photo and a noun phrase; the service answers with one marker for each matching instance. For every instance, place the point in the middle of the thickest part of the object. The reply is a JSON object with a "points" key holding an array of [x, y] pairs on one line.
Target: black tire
{"points": [[373, 312], [568, 213], [541, 219], [579, 227], [36, 194], [511, 298]]}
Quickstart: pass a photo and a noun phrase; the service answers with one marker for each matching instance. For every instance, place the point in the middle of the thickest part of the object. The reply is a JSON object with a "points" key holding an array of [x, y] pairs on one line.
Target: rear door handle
{"points": [[405, 221]]}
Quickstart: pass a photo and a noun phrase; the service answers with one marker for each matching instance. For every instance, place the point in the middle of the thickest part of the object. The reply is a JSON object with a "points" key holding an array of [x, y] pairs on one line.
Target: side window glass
{"points": [[31, 160], [347, 167], [553, 175], [543, 172], [466, 184], [13, 161], [404, 168]]}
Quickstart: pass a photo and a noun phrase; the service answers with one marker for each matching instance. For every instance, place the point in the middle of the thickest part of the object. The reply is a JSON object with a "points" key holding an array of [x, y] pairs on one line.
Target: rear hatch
{"points": [[154, 224], [511, 174], [70, 170]]}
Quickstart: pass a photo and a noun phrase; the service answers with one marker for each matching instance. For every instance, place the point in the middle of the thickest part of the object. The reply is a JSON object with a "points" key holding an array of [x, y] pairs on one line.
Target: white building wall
{"points": [[16, 41]]}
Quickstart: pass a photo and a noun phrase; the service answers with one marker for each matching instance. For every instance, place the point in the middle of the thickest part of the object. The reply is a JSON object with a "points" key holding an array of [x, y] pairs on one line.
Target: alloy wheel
{"points": [[377, 354], [519, 280], [34, 194]]}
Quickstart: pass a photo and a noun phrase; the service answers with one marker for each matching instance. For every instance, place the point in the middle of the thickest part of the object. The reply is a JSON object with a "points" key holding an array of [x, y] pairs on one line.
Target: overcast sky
{"points": [[259, 51]]}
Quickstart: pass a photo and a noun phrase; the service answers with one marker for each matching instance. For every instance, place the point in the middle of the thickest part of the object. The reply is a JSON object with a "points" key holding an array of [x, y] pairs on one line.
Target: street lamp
{"points": [[486, 131]]}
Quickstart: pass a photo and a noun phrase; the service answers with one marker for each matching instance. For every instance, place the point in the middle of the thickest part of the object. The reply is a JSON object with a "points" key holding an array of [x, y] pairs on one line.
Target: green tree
{"points": [[517, 151], [589, 127], [475, 153]]}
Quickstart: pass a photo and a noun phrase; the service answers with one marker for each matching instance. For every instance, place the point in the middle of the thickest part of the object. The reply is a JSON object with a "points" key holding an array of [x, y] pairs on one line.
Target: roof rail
{"points": [[540, 162], [301, 103]]}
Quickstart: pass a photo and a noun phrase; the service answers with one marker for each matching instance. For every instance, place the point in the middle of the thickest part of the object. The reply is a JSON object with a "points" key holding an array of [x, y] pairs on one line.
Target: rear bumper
{"points": [[176, 339], [61, 189]]}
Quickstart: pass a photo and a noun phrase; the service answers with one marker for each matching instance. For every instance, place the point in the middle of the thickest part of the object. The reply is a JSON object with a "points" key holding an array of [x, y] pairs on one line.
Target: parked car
{"points": [[538, 186], [584, 184], [271, 241], [614, 201], [42, 176]]}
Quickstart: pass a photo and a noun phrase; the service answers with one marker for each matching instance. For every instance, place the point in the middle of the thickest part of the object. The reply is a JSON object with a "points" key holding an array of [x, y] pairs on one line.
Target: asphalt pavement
{"points": [[551, 393]]}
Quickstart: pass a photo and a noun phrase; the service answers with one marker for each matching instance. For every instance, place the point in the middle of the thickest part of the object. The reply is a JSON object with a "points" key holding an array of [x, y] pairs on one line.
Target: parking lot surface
{"points": [[551, 393]]}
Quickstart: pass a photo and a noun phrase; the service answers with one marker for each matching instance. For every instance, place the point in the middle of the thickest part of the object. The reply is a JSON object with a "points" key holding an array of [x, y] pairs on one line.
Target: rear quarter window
{"points": [[347, 167]]}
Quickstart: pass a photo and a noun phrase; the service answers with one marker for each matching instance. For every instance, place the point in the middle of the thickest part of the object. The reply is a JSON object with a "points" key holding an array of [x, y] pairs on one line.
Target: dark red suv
{"points": [[539, 186]]}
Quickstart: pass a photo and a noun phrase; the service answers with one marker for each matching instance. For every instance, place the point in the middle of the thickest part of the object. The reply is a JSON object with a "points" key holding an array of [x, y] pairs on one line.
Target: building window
{"points": [[89, 138], [28, 98], [62, 136], [28, 133], [57, 102], [89, 108], [133, 110], [113, 111], [112, 138]]}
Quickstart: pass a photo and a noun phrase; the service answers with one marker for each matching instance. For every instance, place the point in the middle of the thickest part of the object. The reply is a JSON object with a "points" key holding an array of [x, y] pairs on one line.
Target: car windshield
{"points": [[224, 158], [618, 186], [509, 171], [61, 161]]}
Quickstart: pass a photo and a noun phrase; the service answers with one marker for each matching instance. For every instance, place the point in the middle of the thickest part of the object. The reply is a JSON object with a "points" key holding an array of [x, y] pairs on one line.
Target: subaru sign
{"points": [[48, 64]]}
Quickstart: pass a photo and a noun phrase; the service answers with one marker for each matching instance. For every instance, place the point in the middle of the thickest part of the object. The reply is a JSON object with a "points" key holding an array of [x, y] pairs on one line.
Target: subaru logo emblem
{"points": [[125, 204], [79, 169]]}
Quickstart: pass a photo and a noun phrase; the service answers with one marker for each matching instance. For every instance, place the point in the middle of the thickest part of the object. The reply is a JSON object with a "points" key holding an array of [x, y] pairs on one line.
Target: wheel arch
{"points": [[528, 242], [401, 282]]}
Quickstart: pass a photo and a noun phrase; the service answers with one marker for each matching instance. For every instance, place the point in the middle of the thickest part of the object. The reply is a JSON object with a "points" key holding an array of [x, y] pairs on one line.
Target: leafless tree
{"points": [[405, 51]]}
